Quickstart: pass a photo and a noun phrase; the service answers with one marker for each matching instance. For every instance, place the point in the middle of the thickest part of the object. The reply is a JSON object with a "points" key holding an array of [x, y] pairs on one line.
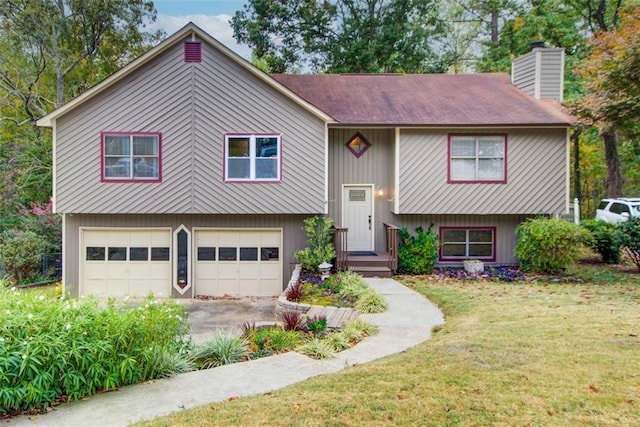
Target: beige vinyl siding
{"points": [[293, 237], [193, 105], [524, 73], [540, 73], [505, 229], [536, 175], [551, 74]]}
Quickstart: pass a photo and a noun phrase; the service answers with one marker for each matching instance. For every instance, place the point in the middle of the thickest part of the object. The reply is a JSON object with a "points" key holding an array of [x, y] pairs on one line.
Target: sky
{"points": [[212, 16]]}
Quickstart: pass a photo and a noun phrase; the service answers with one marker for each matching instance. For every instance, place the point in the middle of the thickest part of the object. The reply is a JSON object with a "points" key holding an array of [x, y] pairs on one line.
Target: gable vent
{"points": [[192, 52]]}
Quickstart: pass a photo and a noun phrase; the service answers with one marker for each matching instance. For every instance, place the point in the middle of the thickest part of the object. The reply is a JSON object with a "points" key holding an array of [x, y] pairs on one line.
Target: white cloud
{"points": [[217, 26]]}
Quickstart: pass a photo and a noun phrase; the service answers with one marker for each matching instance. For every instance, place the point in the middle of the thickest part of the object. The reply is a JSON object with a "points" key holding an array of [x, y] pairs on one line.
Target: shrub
{"points": [[357, 329], [292, 320], [371, 302], [353, 285], [548, 245], [629, 235], [223, 349], [605, 240], [417, 254], [276, 340], [317, 325], [317, 349], [51, 348], [320, 247], [338, 341], [21, 254], [294, 292]]}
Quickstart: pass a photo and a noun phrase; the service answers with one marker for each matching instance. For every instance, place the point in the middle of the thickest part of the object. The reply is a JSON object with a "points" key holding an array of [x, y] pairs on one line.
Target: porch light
{"points": [[379, 191]]}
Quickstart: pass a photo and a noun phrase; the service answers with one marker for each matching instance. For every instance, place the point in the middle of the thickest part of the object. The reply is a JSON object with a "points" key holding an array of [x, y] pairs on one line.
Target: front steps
{"points": [[370, 266]]}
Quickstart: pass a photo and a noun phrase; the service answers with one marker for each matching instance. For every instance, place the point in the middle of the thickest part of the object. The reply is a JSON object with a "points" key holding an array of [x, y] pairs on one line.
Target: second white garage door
{"points": [[237, 262]]}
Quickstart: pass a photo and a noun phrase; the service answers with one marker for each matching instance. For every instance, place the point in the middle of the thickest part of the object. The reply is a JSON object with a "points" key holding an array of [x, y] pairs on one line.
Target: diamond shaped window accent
{"points": [[358, 144]]}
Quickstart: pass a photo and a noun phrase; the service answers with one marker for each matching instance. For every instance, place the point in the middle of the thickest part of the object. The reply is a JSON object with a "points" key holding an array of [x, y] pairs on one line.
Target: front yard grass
{"points": [[523, 353]]}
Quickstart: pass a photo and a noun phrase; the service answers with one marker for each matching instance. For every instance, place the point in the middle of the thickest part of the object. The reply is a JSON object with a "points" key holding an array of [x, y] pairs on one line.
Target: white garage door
{"points": [[238, 262], [121, 262]]}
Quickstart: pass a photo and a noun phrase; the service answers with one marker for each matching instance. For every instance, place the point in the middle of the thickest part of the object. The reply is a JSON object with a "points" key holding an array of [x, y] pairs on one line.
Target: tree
{"points": [[53, 50], [62, 35], [340, 36], [612, 77]]}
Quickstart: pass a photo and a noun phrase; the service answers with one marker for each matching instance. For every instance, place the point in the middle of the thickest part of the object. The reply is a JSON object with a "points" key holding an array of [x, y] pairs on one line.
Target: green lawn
{"points": [[529, 353]]}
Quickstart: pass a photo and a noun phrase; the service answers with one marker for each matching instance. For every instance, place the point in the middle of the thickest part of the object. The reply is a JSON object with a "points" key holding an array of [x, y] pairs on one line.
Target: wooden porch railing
{"points": [[342, 252], [393, 242]]}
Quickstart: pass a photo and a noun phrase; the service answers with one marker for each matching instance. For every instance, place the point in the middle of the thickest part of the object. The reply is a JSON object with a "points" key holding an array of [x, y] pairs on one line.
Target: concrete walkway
{"points": [[407, 322]]}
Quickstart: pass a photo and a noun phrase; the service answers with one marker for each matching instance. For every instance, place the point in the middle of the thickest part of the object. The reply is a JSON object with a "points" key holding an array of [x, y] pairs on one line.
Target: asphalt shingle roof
{"points": [[423, 99]]}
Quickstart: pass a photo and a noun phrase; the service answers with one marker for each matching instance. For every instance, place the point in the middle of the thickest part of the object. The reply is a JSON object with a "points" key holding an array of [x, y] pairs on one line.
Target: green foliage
{"points": [[338, 341], [548, 245], [317, 325], [417, 254], [21, 254], [222, 349], [320, 248], [342, 36], [51, 348], [605, 240], [357, 329], [629, 234], [275, 340], [317, 349], [371, 302]]}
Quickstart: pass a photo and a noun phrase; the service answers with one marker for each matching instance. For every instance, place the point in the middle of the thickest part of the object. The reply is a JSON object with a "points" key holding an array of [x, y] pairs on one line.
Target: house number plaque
{"points": [[357, 196]]}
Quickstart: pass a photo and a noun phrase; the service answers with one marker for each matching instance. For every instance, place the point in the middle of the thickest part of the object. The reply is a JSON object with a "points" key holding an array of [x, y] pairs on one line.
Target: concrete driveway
{"points": [[208, 316]]}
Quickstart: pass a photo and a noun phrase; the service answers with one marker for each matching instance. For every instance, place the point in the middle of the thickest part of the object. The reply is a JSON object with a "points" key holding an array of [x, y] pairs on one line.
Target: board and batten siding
{"points": [[536, 175], [374, 167], [192, 105], [293, 237]]}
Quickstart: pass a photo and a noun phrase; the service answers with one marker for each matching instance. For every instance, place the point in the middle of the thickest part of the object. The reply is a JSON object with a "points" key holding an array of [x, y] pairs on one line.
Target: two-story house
{"points": [[190, 172]]}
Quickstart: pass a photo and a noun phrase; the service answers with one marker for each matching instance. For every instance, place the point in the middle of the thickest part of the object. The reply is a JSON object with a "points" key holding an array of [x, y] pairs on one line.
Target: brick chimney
{"points": [[540, 72]]}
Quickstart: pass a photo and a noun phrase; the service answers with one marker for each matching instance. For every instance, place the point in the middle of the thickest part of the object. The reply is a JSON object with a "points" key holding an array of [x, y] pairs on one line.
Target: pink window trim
{"points": [[128, 180], [250, 181], [452, 181], [455, 259], [363, 138]]}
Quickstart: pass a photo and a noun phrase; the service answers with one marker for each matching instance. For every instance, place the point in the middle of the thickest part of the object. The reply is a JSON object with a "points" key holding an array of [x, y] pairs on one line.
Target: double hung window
{"points": [[252, 157], [477, 158], [131, 157]]}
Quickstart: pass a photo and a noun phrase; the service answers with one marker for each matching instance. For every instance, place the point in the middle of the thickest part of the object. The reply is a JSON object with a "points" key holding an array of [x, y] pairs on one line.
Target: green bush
{"points": [[417, 254], [222, 349], [316, 349], [51, 348], [605, 240], [548, 245], [629, 235], [21, 254], [320, 247], [275, 340], [371, 302]]}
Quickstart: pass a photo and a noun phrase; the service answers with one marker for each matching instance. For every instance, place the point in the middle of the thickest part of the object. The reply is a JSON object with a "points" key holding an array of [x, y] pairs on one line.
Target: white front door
{"points": [[357, 216]]}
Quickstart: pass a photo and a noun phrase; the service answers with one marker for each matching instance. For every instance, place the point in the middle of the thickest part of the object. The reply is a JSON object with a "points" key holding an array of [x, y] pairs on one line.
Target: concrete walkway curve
{"points": [[407, 322]]}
